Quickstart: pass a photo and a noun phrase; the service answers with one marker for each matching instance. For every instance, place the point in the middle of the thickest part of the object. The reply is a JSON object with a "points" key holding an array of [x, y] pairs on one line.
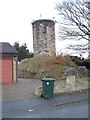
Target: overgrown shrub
{"points": [[43, 66]]}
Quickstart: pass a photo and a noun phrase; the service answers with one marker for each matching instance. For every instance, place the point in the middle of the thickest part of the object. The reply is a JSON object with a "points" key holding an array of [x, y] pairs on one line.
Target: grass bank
{"points": [[44, 66]]}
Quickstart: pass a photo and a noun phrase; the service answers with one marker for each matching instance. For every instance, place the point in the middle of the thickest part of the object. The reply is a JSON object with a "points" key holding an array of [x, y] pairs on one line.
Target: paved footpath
{"points": [[26, 88]]}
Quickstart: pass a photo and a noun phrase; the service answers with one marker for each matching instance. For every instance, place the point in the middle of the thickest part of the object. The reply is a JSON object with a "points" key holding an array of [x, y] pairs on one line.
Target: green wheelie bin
{"points": [[47, 87]]}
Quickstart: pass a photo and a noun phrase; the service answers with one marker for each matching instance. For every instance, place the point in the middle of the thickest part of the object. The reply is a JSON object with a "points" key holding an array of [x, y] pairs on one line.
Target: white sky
{"points": [[16, 17]]}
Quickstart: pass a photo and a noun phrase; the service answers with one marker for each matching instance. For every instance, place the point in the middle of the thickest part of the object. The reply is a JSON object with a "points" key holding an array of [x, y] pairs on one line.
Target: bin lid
{"points": [[48, 79]]}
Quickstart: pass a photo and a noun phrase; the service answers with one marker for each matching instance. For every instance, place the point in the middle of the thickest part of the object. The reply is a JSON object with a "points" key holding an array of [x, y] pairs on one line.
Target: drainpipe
{"points": [[15, 58]]}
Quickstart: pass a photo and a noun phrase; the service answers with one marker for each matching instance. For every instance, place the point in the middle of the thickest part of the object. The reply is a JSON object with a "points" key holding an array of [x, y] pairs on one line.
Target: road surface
{"points": [[61, 106]]}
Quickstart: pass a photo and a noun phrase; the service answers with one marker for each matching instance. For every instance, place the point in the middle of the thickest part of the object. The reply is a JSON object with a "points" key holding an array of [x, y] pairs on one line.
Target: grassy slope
{"points": [[44, 66]]}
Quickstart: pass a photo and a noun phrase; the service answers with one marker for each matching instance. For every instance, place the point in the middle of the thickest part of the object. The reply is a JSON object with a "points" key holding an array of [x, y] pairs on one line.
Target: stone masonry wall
{"points": [[43, 37]]}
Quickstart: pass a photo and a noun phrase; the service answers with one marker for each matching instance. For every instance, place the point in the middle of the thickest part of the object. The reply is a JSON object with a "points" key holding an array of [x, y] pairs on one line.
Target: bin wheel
{"points": [[42, 95]]}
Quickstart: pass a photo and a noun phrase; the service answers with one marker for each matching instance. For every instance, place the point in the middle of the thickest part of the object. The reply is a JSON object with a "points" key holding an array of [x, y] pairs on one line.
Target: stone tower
{"points": [[43, 37]]}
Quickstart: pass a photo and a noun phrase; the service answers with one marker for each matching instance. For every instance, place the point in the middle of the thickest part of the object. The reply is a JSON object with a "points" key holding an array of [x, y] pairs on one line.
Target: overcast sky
{"points": [[16, 17]]}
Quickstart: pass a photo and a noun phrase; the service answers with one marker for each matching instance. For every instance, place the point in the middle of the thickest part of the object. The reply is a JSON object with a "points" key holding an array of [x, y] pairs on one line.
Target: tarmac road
{"points": [[57, 107]]}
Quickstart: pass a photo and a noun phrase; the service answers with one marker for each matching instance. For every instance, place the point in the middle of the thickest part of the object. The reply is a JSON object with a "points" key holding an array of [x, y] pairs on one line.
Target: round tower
{"points": [[43, 37]]}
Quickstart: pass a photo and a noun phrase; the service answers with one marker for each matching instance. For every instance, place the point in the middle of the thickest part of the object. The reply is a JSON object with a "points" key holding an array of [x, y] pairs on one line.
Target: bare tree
{"points": [[76, 22]]}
